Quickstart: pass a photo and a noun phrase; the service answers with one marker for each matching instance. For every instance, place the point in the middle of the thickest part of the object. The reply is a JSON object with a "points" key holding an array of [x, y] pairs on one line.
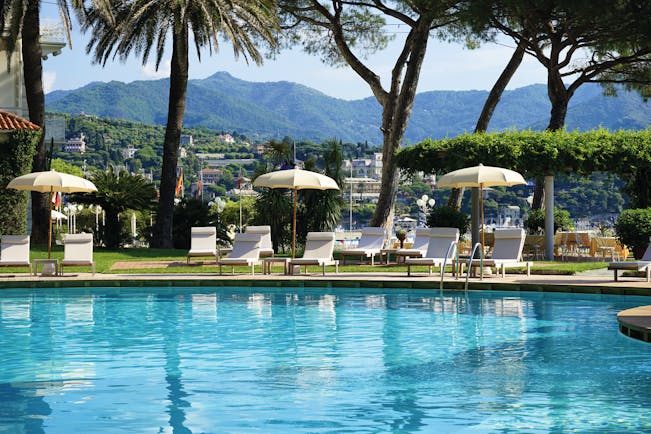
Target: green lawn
{"points": [[104, 260]]}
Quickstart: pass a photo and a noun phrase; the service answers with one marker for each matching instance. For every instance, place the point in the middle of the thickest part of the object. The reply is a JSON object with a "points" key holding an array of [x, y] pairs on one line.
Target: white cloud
{"points": [[49, 78], [150, 72]]}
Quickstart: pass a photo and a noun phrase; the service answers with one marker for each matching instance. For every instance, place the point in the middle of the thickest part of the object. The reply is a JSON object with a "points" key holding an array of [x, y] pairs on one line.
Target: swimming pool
{"points": [[201, 360]]}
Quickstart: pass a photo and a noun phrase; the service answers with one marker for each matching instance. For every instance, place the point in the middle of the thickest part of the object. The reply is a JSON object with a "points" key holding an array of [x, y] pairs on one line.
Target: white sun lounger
{"points": [[507, 252], [318, 251], [266, 247], [643, 264], [369, 245], [203, 242], [440, 240], [14, 251], [77, 250], [246, 251]]}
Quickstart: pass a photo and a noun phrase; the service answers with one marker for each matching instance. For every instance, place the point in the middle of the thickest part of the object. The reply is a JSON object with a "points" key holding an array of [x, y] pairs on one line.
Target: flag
{"points": [[179, 184], [239, 180], [199, 194], [56, 199]]}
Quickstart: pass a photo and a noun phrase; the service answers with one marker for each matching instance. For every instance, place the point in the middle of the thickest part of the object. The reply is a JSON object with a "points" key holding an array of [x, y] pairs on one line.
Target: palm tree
{"points": [[19, 20], [141, 26], [116, 193]]}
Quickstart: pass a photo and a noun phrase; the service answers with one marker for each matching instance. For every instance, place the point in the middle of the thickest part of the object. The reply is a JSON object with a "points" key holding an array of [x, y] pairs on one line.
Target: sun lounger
{"points": [[369, 245], [643, 264], [318, 251], [14, 251], [77, 251], [203, 242], [266, 247], [419, 249], [440, 240], [246, 251], [507, 252]]}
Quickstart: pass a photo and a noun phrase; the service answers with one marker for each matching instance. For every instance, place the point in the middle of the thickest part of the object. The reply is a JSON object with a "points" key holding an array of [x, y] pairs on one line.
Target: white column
{"points": [[549, 218]]}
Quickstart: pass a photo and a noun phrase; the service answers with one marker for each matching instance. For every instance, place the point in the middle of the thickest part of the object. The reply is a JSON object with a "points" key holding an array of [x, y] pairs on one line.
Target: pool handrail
{"points": [[481, 263], [453, 244]]}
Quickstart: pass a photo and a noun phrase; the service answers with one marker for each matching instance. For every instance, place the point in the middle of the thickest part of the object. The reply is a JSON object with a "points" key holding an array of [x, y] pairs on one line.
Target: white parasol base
{"points": [[49, 269]]}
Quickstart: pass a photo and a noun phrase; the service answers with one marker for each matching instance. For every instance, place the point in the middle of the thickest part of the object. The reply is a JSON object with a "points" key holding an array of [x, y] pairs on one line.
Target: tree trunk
{"points": [[33, 76], [397, 106], [559, 97], [112, 229], [176, 109], [456, 196]]}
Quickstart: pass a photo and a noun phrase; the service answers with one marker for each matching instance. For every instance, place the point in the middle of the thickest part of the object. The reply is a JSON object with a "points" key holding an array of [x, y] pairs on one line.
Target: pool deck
{"points": [[635, 323]]}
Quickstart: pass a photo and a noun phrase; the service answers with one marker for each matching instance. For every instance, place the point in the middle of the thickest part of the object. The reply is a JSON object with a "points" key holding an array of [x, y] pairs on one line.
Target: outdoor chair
{"points": [[643, 264], [419, 248], [246, 251], [438, 249], [507, 252], [318, 251], [266, 247], [369, 245], [203, 242], [14, 251], [77, 251]]}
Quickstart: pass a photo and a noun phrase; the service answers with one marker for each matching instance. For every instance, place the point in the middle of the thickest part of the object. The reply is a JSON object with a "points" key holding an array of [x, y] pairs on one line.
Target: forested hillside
{"points": [[279, 109]]}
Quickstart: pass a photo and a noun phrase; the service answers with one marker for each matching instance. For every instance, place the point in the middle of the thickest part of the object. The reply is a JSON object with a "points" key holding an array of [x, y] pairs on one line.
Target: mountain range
{"points": [[277, 109]]}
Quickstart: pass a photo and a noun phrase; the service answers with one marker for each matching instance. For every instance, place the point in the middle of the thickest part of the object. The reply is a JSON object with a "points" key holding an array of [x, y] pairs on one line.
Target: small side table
{"points": [[268, 262], [50, 267], [388, 253]]}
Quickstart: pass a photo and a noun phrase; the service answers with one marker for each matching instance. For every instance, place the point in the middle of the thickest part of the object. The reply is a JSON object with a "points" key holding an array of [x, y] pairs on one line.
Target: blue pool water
{"points": [[206, 360]]}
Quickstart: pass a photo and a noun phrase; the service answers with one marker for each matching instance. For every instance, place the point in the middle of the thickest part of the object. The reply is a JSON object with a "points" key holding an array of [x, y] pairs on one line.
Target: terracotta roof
{"points": [[10, 121]]}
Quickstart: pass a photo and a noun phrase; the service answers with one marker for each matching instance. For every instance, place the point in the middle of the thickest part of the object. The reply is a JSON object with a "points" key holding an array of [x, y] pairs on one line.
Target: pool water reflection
{"points": [[200, 360]]}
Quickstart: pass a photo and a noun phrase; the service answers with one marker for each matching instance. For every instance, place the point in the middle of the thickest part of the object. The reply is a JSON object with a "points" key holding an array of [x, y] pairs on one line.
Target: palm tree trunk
{"points": [[33, 76], [178, 88]]}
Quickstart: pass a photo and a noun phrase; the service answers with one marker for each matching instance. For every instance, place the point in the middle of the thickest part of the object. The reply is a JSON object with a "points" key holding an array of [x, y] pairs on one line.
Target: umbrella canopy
{"points": [[481, 176], [49, 182], [295, 179]]}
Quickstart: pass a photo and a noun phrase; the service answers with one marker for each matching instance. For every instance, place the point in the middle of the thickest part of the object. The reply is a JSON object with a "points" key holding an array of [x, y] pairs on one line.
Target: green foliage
{"points": [[116, 193], [633, 228], [448, 217], [192, 212], [16, 153], [64, 167], [535, 221], [273, 207], [626, 154]]}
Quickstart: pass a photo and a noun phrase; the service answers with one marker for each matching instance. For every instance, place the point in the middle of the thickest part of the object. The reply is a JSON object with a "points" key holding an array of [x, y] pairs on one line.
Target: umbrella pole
{"points": [[481, 222], [294, 227], [49, 235]]}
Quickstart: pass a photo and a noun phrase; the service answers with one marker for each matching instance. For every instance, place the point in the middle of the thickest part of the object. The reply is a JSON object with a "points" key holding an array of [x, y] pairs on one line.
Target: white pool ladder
{"points": [[453, 245], [481, 262]]}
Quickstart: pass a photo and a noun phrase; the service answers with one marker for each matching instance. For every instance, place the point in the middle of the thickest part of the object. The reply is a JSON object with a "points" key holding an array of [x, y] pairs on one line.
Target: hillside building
{"points": [[129, 152], [186, 140], [225, 138], [211, 176], [365, 167], [76, 144]]}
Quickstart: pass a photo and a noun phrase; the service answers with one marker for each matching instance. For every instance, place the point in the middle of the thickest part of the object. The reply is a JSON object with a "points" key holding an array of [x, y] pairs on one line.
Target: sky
{"points": [[446, 67]]}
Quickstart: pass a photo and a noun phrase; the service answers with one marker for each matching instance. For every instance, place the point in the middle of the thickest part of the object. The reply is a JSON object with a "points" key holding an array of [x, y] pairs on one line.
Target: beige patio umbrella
{"points": [[295, 179], [49, 182], [481, 176]]}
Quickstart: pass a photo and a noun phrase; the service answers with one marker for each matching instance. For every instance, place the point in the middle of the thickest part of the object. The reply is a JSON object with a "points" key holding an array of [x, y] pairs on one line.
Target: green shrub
{"points": [[633, 228], [535, 222], [448, 217], [189, 213]]}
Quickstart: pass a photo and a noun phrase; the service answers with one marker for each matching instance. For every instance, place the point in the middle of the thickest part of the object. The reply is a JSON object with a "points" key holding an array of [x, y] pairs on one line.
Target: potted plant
{"points": [[401, 234]]}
